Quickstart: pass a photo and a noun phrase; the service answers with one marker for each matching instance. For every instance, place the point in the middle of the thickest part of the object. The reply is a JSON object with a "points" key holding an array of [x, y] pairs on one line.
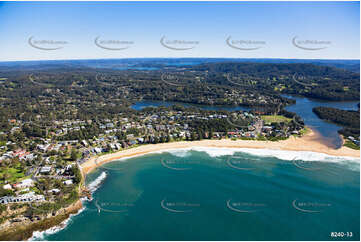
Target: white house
{"points": [[54, 191], [7, 187], [97, 150], [45, 169], [28, 197], [25, 183], [68, 182]]}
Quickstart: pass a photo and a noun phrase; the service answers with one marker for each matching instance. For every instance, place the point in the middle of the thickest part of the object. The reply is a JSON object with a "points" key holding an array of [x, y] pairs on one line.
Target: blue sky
{"points": [[272, 25]]}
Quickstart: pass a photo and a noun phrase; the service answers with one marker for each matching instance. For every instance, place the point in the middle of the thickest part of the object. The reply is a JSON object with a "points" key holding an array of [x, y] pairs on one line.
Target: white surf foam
{"points": [[40, 235], [94, 185], [280, 154], [184, 152], [298, 155], [181, 153], [351, 162], [212, 152]]}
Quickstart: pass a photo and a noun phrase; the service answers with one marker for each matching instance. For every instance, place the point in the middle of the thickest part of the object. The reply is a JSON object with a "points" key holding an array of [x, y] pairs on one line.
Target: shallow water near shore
{"points": [[327, 130], [220, 195]]}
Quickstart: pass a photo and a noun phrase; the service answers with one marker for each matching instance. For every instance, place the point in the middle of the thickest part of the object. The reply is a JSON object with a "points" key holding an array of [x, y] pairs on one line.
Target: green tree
{"points": [[73, 155]]}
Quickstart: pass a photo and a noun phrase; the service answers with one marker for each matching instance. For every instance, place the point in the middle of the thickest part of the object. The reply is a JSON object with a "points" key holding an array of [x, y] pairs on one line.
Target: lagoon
{"points": [[303, 108]]}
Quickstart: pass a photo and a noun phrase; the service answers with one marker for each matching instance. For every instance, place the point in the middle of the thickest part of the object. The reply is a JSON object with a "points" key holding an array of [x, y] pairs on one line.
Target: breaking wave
{"points": [[94, 185], [279, 154], [40, 235]]}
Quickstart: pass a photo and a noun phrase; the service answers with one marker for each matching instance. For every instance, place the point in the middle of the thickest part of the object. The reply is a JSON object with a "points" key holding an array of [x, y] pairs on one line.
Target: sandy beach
{"points": [[309, 142]]}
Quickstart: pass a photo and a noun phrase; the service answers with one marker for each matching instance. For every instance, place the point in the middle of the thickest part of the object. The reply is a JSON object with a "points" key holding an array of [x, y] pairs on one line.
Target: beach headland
{"points": [[26, 230], [311, 141]]}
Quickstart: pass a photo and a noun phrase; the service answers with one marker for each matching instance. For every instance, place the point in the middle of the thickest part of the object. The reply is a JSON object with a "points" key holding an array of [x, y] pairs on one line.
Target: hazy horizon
{"points": [[130, 58]]}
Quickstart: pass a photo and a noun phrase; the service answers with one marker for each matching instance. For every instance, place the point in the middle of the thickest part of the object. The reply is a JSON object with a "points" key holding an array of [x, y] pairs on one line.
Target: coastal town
{"points": [[53, 123], [44, 169], [180, 120]]}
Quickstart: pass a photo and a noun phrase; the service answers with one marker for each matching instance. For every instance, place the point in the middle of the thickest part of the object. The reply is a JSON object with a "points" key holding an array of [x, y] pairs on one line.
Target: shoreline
{"points": [[26, 231], [308, 142], [311, 141]]}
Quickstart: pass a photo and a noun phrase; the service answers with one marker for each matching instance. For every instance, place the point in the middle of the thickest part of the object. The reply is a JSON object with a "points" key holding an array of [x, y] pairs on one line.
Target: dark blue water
{"points": [[136, 68], [190, 63], [147, 68]]}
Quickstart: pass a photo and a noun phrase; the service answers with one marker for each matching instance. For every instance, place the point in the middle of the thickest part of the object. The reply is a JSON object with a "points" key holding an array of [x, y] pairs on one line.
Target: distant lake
{"points": [[185, 63], [152, 68], [145, 104], [143, 68]]}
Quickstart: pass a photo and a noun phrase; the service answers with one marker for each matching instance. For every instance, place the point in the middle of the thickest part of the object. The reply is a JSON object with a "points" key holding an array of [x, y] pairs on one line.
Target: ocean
{"points": [[220, 194]]}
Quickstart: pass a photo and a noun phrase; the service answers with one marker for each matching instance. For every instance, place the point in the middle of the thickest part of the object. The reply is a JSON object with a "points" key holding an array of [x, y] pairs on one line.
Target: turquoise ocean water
{"points": [[220, 194]]}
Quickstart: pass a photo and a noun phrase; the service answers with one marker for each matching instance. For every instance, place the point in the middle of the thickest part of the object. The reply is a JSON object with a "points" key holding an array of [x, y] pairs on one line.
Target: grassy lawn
{"points": [[13, 174], [304, 131], [275, 119], [351, 145], [279, 88]]}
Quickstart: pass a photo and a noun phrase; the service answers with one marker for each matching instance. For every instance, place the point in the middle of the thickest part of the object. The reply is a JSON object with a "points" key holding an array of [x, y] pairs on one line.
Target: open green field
{"points": [[351, 145], [11, 174], [274, 119]]}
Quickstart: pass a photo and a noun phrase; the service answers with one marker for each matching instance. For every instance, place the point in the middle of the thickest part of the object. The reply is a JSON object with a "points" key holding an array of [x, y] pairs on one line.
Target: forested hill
{"points": [[351, 65], [267, 69], [309, 80], [347, 118]]}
